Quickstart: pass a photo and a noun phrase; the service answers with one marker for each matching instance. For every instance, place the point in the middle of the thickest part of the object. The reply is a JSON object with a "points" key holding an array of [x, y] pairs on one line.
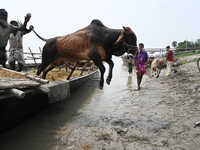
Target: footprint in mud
{"points": [[105, 137], [162, 82], [61, 143], [123, 122]]}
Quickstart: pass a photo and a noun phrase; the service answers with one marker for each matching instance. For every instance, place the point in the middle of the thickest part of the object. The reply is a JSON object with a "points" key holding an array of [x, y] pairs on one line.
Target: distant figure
{"points": [[16, 47], [141, 60], [170, 61], [130, 63], [5, 30]]}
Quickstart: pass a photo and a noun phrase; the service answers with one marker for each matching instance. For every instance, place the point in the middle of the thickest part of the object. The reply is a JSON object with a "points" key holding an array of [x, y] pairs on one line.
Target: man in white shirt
{"points": [[5, 30], [16, 47]]}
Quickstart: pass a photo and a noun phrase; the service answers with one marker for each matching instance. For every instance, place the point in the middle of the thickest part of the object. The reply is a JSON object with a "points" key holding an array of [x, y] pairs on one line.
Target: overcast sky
{"points": [[155, 22]]}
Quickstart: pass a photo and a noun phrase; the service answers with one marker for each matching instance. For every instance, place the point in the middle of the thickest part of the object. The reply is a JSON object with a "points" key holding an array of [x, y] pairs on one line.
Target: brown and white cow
{"points": [[157, 65], [95, 42]]}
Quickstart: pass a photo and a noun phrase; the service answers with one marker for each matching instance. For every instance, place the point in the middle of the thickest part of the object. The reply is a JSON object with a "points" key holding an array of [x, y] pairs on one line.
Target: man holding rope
{"points": [[5, 30]]}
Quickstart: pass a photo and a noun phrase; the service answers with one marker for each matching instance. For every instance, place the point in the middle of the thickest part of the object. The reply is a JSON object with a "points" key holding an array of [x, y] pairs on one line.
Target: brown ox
{"points": [[95, 42]]}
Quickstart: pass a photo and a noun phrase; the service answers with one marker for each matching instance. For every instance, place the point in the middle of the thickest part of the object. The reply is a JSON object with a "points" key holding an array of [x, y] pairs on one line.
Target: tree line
{"points": [[190, 44]]}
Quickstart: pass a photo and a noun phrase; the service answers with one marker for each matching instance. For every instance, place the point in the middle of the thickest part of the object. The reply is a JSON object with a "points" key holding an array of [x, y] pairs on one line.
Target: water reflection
{"points": [[129, 81], [124, 67], [148, 71]]}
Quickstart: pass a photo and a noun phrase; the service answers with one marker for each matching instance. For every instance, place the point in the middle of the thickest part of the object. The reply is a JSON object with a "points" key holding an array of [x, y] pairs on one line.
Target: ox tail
{"points": [[46, 40]]}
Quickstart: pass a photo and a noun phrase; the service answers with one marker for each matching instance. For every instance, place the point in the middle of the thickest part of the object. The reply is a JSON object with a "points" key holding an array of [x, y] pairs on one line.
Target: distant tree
{"points": [[174, 43], [183, 44], [196, 44], [189, 44], [198, 41], [192, 44]]}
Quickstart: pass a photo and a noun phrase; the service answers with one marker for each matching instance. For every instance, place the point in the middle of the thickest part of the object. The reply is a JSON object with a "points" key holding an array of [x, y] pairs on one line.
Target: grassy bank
{"points": [[182, 62], [188, 57], [187, 54]]}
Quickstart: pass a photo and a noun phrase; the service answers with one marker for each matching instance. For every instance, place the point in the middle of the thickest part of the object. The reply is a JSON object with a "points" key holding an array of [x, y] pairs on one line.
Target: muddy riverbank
{"points": [[160, 116]]}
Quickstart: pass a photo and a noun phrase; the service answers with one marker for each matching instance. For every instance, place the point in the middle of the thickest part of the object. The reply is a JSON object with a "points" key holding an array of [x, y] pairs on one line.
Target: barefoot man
{"points": [[141, 59]]}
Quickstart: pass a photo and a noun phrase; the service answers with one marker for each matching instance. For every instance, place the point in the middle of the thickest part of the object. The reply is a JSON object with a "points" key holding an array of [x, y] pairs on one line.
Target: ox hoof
{"points": [[108, 81], [100, 87]]}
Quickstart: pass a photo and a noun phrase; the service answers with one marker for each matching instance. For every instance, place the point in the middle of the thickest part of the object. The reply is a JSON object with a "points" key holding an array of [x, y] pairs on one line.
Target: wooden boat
{"points": [[20, 99]]}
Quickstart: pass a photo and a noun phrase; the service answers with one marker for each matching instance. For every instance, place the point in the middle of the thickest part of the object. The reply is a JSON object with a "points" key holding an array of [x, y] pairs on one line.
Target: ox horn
{"points": [[120, 38], [124, 28]]}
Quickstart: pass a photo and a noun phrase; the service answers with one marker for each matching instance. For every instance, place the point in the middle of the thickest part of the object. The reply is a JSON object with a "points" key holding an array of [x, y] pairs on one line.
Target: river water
{"points": [[69, 124]]}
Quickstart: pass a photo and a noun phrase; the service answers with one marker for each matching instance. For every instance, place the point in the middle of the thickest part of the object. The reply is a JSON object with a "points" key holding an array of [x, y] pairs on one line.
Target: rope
{"points": [[128, 46]]}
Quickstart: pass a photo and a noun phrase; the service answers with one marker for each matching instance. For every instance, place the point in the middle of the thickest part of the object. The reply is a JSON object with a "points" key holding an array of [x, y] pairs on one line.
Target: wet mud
{"points": [[161, 116]]}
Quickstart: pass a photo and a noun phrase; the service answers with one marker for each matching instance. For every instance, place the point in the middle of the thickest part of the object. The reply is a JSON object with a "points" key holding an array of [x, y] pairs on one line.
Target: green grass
{"points": [[185, 62], [188, 54]]}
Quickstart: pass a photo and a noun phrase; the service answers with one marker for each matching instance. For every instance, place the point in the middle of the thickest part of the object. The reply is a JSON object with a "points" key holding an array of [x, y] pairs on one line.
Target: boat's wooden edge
{"points": [[14, 111]]}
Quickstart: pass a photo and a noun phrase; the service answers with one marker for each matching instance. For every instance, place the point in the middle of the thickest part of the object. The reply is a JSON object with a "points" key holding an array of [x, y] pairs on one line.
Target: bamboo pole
{"points": [[28, 53], [42, 88], [84, 67], [17, 93], [31, 54], [40, 50], [72, 70], [26, 75], [78, 68], [33, 57], [14, 84], [91, 68]]}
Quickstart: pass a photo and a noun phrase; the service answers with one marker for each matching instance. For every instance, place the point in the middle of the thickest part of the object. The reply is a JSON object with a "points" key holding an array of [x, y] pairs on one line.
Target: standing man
{"points": [[16, 48], [170, 61], [5, 30], [141, 60]]}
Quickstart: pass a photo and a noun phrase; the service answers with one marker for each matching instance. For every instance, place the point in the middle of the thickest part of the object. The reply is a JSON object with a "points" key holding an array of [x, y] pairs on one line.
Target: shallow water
{"points": [[62, 125]]}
